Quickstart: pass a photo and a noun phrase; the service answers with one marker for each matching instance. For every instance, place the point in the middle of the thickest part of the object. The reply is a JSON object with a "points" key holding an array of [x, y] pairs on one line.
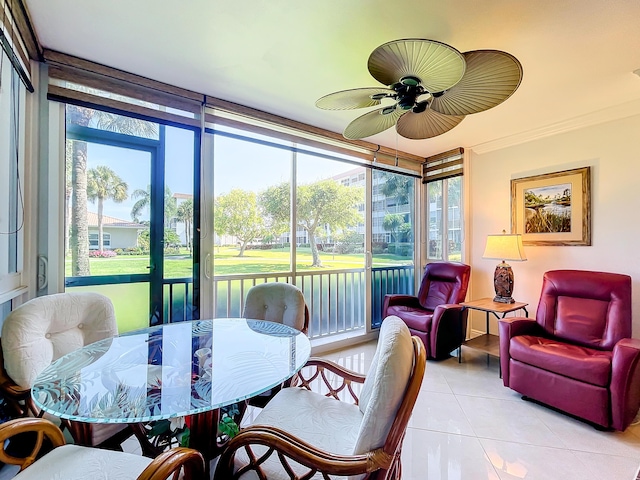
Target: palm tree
{"points": [[184, 214], [401, 187], [105, 184], [68, 191], [144, 202], [85, 117]]}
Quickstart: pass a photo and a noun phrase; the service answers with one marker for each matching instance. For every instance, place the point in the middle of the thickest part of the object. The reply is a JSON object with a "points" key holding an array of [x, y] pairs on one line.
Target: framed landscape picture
{"points": [[553, 209]]}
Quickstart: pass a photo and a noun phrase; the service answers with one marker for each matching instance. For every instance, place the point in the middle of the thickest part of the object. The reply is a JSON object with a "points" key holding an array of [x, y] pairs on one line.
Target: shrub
{"points": [[102, 254], [382, 246], [132, 251]]}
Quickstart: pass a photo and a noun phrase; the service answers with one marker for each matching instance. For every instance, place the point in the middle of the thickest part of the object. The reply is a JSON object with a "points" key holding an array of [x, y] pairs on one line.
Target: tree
{"points": [[320, 204], [105, 184], [349, 241], [392, 223], [144, 202], [171, 239], [85, 117], [237, 214], [406, 232], [184, 214], [398, 186]]}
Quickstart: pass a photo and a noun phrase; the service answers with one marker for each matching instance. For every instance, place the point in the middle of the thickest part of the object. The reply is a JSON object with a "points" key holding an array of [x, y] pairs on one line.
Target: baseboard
{"points": [[320, 346], [475, 333]]}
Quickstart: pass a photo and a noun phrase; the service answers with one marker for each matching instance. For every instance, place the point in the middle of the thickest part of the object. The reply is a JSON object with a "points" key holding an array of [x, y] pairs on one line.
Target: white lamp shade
{"points": [[504, 247]]}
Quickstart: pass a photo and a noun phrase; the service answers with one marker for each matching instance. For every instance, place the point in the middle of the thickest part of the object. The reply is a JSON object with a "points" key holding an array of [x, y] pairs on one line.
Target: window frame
{"points": [[443, 220]]}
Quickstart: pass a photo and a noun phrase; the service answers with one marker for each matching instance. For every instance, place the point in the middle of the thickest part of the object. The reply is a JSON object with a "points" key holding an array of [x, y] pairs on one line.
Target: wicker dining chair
{"points": [[74, 462], [44, 329], [320, 427]]}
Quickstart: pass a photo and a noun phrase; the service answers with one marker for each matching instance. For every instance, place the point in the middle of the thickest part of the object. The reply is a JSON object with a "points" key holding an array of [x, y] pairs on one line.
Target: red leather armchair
{"points": [[577, 355], [434, 315]]}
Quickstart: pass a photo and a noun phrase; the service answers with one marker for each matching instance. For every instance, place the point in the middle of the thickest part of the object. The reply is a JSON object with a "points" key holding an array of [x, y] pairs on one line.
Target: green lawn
{"points": [[131, 300], [227, 262]]}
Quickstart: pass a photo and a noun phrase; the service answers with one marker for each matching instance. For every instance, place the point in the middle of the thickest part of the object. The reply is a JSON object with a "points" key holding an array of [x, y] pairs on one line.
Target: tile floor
{"points": [[467, 426]]}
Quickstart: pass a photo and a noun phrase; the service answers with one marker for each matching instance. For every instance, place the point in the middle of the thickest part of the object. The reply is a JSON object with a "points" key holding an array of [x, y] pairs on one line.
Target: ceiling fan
{"points": [[431, 86]]}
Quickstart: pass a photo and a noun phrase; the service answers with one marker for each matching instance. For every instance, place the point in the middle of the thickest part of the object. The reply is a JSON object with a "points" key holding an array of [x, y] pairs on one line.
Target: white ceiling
{"points": [[280, 56]]}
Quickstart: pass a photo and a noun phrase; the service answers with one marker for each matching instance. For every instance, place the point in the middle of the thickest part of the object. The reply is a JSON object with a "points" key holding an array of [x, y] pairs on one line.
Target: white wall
{"points": [[611, 149], [120, 237]]}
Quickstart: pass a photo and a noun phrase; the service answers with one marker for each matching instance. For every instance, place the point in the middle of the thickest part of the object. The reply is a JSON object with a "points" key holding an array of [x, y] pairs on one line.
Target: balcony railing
{"points": [[335, 298]]}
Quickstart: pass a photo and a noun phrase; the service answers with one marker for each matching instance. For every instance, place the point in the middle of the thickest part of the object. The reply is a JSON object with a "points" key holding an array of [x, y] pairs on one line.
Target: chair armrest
{"points": [[625, 382], [399, 299], [507, 329], [314, 372], [172, 462], [41, 427], [448, 329], [514, 326], [286, 446]]}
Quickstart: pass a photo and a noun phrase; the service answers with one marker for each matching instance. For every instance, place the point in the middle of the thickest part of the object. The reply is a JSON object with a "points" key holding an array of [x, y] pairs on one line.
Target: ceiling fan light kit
{"points": [[432, 86]]}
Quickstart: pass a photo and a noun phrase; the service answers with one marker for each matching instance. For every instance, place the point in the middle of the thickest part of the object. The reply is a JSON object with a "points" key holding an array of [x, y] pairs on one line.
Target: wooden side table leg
{"points": [[488, 359]]}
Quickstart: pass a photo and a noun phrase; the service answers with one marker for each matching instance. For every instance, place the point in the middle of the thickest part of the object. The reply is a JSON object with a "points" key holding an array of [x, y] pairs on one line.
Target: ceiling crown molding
{"points": [[608, 114]]}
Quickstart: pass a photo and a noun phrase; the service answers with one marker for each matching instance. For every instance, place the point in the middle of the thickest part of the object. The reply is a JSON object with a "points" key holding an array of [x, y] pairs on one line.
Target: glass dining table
{"points": [[180, 369]]}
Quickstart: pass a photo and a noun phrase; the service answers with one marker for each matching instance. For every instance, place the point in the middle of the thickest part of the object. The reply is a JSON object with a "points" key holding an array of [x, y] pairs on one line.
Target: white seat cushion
{"points": [[325, 423], [71, 462]]}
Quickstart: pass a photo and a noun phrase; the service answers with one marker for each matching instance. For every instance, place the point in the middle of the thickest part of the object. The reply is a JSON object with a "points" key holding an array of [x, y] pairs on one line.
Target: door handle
{"points": [[207, 267]]}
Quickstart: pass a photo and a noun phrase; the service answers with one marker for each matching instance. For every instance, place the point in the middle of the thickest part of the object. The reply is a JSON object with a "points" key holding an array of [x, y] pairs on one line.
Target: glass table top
{"points": [[170, 370]]}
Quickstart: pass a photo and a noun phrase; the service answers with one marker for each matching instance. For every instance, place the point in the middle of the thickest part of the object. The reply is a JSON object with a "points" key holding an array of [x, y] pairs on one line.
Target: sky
{"points": [[550, 191], [238, 164]]}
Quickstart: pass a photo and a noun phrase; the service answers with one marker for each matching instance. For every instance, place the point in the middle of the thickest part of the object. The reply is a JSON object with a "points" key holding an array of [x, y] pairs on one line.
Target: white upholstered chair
{"points": [[73, 462], [44, 329], [277, 302], [318, 435]]}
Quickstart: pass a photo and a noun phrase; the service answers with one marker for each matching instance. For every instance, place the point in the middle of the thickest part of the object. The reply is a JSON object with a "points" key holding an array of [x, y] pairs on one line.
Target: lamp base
{"points": [[503, 283], [500, 299]]}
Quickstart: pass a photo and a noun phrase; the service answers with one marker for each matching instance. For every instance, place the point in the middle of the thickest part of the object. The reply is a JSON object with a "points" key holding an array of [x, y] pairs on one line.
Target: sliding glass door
{"points": [[129, 219], [393, 238], [273, 211]]}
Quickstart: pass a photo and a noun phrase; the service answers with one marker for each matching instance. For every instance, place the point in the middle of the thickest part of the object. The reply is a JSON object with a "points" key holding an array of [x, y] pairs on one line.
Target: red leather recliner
{"points": [[577, 355], [434, 315]]}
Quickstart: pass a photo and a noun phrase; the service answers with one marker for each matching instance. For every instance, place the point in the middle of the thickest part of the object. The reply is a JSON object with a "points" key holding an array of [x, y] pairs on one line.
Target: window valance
{"points": [[443, 165]]}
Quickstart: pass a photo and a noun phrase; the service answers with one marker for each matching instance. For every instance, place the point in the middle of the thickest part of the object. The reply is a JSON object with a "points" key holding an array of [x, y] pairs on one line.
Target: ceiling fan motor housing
{"points": [[407, 95]]}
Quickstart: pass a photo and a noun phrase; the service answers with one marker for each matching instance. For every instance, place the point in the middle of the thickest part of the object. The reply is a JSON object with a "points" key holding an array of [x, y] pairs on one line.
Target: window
{"points": [[12, 122], [93, 241], [444, 235], [442, 175]]}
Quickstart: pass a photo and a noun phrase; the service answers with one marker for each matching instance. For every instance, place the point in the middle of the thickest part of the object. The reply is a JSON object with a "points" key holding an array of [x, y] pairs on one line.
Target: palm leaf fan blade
{"points": [[428, 124], [438, 66], [371, 123], [352, 99], [491, 77]]}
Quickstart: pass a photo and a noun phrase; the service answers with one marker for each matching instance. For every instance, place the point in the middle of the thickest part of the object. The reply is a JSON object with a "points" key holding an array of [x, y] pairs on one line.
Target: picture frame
{"points": [[553, 208]]}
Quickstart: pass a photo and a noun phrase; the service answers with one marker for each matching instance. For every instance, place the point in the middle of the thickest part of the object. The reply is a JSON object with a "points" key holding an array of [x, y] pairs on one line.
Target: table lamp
{"points": [[504, 247]]}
